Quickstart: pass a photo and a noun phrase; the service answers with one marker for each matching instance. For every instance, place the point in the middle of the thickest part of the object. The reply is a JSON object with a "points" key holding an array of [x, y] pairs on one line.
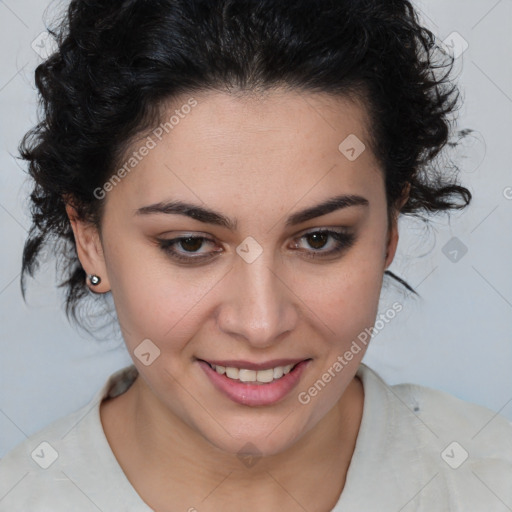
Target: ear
{"points": [[392, 243], [393, 236], [89, 249]]}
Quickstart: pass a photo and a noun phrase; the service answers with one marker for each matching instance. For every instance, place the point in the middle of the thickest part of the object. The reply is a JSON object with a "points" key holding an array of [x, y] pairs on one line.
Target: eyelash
{"points": [[344, 240]]}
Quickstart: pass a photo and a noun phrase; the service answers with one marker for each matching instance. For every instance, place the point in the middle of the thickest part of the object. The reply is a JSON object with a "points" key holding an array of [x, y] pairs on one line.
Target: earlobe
{"points": [[89, 250]]}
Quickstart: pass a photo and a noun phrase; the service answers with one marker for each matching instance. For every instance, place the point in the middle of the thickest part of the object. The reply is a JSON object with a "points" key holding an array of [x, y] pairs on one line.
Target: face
{"points": [[257, 280]]}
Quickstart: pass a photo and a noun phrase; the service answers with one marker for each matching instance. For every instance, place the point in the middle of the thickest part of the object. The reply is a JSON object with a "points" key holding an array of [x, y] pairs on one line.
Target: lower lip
{"points": [[255, 394]]}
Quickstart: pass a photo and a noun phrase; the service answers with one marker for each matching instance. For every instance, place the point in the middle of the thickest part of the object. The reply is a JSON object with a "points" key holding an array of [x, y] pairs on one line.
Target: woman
{"points": [[232, 174]]}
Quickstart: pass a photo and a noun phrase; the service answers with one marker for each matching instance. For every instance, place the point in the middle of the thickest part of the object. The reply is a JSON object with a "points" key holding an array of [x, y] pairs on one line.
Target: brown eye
{"points": [[320, 239], [186, 249], [317, 240], [191, 244]]}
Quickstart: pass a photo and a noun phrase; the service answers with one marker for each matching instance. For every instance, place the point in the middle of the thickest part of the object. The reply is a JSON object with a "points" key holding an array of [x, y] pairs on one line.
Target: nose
{"points": [[259, 307]]}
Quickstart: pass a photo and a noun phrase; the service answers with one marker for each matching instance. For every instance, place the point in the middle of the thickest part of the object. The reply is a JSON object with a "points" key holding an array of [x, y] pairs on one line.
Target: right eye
{"points": [[189, 245]]}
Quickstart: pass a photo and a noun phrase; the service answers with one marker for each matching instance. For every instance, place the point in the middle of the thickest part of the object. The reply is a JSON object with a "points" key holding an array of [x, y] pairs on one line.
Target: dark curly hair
{"points": [[118, 62]]}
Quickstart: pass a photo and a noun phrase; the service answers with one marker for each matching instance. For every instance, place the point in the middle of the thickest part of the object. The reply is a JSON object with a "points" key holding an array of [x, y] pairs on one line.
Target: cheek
{"points": [[153, 298], [345, 296]]}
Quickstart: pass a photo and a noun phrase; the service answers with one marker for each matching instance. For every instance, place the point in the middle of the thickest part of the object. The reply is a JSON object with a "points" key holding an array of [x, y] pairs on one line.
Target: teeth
{"points": [[244, 375], [247, 375], [232, 373]]}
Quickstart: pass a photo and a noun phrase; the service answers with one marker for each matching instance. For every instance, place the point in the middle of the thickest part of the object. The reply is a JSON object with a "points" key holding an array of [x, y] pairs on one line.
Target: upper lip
{"points": [[239, 363]]}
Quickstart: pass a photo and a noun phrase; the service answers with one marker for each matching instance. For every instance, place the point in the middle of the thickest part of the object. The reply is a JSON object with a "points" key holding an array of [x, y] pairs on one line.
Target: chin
{"points": [[263, 438]]}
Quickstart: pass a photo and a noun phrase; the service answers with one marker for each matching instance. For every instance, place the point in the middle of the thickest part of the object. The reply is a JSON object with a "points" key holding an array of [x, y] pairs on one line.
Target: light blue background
{"points": [[456, 338]]}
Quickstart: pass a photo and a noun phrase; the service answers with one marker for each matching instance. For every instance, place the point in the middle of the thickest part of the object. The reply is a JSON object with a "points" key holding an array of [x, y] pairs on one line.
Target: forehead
{"points": [[277, 144]]}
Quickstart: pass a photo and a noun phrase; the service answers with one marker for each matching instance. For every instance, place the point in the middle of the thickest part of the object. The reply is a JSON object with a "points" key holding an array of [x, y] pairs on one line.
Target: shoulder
{"points": [[441, 411], [461, 449], [60, 466], [486, 431], [32, 474]]}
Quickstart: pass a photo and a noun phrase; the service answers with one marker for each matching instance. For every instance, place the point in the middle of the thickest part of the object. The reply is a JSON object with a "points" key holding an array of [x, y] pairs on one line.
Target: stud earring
{"points": [[94, 279]]}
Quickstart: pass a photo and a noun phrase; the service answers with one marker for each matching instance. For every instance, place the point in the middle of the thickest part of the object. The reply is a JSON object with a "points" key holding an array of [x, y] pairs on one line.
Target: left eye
{"points": [[317, 241]]}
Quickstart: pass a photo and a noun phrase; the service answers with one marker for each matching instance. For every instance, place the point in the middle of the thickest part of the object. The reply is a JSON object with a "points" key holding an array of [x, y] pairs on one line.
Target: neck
{"points": [[168, 462]]}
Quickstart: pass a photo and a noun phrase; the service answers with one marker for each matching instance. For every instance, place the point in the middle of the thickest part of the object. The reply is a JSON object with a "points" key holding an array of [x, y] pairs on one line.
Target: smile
{"points": [[254, 384], [259, 376]]}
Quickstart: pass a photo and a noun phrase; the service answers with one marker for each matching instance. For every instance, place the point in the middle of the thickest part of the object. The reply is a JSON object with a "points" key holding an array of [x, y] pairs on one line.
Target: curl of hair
{"points": [[118, 62]]}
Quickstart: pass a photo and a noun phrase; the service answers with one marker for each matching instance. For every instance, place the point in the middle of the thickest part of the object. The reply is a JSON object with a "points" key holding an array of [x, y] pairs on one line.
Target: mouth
{"points": [[255, 384], [253, 376]]}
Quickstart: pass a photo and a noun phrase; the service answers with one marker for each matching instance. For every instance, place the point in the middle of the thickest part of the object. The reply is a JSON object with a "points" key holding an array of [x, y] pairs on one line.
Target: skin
{"points": [[256, 159]]}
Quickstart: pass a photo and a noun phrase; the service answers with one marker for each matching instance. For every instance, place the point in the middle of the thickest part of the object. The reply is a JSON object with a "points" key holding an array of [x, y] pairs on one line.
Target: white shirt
{"points": [[417, 450]]}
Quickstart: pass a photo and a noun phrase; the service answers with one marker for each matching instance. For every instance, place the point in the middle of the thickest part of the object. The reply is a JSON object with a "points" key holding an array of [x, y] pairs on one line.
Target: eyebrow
{"points": [[208, 216]]}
